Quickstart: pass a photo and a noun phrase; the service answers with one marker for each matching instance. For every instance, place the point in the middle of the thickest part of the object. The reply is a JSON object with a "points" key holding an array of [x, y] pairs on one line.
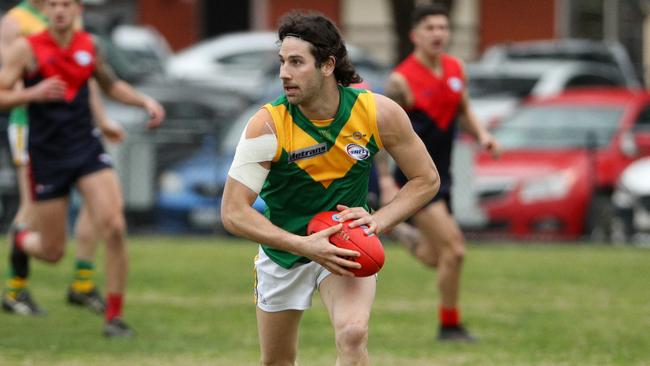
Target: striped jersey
{"points": [[319, 164]]}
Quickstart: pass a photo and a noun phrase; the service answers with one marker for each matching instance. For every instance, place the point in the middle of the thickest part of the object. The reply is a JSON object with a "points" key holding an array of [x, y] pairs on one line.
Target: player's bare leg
{"points": [[349, 301], [444, 246], [278, 334], [102, 194], [46, 241], [83, 290], [23, 215]]}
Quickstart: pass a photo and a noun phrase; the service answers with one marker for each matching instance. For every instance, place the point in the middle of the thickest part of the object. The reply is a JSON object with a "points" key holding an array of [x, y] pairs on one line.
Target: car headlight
{"points": [[171, 182], [550, 187]]}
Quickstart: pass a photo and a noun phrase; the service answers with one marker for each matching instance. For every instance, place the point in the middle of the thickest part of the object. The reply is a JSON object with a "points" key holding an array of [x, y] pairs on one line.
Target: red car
{"points": [[561, 160]]}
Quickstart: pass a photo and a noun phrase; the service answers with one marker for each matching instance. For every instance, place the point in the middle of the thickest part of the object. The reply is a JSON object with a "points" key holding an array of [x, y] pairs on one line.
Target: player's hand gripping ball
{"points": [[369, 246]]}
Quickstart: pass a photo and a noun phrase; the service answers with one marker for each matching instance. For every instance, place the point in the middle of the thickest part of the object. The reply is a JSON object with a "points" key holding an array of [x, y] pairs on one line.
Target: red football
{"points": [[369, 246]]}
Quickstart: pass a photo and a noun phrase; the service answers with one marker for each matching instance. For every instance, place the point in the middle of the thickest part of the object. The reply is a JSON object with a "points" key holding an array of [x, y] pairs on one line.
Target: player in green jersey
{"points": [[310, 151]]}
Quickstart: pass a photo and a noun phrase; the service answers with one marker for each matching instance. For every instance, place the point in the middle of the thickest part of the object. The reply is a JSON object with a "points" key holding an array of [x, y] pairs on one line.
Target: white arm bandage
{"points": [[245, 166]]}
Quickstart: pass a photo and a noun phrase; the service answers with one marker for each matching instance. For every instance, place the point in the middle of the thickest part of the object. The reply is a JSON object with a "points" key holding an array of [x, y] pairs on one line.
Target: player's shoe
{"points": [[92, 300], [116, 327], [21, 304], [455, 333]]}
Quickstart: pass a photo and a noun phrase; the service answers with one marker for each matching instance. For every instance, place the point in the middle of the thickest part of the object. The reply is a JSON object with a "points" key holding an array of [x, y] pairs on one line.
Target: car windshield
{"points": [[500, 86], [559, 126]]}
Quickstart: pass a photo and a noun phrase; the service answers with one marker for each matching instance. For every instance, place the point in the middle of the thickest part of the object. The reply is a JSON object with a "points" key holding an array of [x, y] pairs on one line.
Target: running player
{"points": [[22, 20], [430, 85], [310, 151], [64, 151]]}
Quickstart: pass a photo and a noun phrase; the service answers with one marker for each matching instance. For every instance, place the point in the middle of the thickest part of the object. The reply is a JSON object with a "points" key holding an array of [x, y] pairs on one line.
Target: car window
{"points": [[643, 121], [502, 86], [559, 126], [581, 81]]}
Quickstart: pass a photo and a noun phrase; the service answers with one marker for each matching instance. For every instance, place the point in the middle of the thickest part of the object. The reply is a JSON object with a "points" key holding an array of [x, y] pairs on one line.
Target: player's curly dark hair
{"points": [[325, 40]]}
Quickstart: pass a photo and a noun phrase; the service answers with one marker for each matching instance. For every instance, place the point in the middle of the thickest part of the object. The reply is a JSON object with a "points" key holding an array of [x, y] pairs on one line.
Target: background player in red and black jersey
{"points": [[64, 150], [430, 85]]}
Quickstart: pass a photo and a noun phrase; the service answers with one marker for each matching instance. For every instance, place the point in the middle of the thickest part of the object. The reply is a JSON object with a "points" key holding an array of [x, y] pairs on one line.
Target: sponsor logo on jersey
{"points": [[83, 58], [455, 84], [357, 152], [308, 152], [357, 135]]}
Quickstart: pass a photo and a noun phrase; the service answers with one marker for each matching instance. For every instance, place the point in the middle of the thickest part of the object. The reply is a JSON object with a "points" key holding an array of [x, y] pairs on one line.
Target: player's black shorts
{"points": [[439, 145], [54, 178]]}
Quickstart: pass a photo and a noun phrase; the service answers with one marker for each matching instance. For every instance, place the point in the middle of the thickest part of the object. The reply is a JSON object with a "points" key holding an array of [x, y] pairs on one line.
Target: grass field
{"points": [[190, 301]]}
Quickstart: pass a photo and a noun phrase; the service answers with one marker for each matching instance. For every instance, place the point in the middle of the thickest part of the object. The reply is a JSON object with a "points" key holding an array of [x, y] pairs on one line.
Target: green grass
{"points": [[190, 301]]}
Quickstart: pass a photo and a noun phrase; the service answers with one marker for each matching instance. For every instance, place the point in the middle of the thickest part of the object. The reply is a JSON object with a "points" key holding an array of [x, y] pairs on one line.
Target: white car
{"points": [[247, 62], [496, 89], [632, 201]]}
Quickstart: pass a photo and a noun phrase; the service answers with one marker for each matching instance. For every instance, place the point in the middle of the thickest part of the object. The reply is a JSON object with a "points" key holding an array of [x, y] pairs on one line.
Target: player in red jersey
{"points": [[25, 19], [430, 85], [64, 150]]}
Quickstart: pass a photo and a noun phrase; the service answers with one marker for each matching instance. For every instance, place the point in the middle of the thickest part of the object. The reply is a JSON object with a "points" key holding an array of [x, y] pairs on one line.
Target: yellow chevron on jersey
{"points": [[319, 164], [354, 136]]}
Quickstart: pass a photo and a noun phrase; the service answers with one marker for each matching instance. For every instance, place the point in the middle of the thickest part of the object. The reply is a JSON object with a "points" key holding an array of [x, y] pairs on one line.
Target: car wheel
{"points": [[600, 220]]}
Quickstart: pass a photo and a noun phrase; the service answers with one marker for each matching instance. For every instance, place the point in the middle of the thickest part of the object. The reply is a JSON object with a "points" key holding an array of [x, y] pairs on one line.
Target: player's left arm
{"points": [[111, 130], [471, 124], [125, 93], [411, 156]]}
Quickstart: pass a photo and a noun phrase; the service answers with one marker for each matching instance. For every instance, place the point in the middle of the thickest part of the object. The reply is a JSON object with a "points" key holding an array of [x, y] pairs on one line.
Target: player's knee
{"points": [[114, 225], [352, 338], [53, 254], [429, 259], [455, 249]]}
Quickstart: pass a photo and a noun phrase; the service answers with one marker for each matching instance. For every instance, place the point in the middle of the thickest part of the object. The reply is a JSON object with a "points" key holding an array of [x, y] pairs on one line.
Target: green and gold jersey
{"points": [[319, 164], [30, 19]]}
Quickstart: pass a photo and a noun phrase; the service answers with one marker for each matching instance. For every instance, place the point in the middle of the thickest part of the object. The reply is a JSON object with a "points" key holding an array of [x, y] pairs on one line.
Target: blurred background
{"points": [[560, 82]]}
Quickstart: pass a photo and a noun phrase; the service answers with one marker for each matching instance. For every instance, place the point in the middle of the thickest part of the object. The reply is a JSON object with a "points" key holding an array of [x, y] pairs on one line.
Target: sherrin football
{"points": [[369, 247]]}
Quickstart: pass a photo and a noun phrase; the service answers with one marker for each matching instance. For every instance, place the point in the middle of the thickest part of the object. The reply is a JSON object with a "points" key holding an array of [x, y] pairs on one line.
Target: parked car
{"points": [[631, 200], [497, 89], [608, 53], [248, 63], [190, 193], [144, 44], [562, 158], [194, 114]]}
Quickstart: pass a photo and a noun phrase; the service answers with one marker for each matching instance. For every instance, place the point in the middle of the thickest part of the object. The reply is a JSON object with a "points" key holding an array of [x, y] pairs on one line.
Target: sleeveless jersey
{"points": [[60, 129], [318, 164], [437, 96], [434, 110]]}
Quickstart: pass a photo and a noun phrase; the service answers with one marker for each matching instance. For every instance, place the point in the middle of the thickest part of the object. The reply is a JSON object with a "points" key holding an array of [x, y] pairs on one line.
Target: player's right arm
{"points": [[249, 171], [16, 61], [9, 32], [411, 156]]}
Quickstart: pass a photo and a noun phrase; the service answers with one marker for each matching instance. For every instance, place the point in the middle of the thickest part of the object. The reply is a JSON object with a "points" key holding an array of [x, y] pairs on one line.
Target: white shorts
{"points": [[18, 136], [278, 288]]}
